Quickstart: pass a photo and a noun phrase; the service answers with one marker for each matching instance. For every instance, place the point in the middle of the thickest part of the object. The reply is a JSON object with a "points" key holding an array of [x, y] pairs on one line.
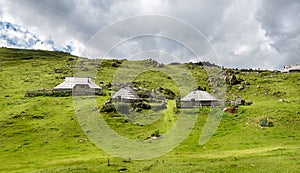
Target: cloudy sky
{"points": [[243, 33]]}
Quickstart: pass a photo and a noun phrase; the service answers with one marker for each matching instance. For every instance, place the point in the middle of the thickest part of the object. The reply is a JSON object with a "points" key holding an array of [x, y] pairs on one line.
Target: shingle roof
{"points": [[70, 82], [199, 95], [126, 93]]}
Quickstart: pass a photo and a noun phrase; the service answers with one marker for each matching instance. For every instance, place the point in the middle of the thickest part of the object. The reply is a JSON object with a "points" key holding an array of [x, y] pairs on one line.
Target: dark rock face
{"points": [[233, 80], [144, 93], [108, 107], [142, 105], [70, 59]]}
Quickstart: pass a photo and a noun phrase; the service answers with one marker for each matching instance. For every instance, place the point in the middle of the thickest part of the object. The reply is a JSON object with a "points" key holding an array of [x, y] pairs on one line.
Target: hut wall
{"points": [[67, 90], [78, 90], [196, 104], [126, 100]]}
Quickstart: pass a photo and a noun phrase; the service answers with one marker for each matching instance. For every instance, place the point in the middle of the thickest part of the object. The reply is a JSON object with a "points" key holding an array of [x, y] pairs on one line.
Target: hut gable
{"points": [[198, 98], [125, 94]]}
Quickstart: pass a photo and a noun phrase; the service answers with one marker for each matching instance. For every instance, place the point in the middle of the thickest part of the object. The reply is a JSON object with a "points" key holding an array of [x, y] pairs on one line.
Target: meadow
{"points": [[43, 134]]}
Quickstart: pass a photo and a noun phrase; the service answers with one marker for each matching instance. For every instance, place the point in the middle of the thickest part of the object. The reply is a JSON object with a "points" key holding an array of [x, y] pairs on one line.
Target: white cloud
{"points": [[240, 50], [246, 34], [42, 46]]}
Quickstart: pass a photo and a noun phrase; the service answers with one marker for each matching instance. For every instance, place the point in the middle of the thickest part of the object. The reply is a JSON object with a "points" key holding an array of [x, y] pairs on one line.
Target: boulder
{"points": [[113, 64], [57, 70], [246, 83], [241, 87], [232, 80], [108, 107], [231, 110], [143, 106], [70, 59]]}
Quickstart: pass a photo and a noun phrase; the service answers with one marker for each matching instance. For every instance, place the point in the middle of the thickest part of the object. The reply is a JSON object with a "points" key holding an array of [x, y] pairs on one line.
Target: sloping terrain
{"points": [[42, 134]]}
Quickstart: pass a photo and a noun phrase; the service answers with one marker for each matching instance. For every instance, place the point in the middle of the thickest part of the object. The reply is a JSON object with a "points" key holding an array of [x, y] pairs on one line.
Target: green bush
{"points": [[156, 134]]}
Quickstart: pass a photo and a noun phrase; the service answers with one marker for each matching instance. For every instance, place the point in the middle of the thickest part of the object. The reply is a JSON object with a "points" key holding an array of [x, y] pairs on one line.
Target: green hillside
{"points": [[42, 134]]}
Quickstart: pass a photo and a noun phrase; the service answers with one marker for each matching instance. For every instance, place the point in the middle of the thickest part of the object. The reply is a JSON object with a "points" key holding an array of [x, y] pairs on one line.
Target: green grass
{"points": [[42, 134]]}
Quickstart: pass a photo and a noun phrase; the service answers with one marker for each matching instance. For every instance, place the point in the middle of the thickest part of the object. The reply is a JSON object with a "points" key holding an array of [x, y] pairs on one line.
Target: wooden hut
{"points": [[78, 86], [198, 98], [125, 94], [292, 68]]}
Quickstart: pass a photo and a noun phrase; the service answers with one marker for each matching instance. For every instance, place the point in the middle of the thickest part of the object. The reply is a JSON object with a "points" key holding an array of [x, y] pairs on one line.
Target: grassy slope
{"points": [[42, 133]]}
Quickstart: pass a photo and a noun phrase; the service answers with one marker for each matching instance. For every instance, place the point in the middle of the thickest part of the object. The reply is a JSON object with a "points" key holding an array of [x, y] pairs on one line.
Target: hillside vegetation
{"points": [[42, 134]]}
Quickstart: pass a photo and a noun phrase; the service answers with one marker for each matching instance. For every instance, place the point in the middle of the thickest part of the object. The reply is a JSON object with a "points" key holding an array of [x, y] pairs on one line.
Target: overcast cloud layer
{"points": [[244, 34]]}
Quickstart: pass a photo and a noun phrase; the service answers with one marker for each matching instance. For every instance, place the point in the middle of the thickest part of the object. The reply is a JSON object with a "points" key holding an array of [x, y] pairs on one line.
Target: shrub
{"points": [[266, 123], [156, 134]]}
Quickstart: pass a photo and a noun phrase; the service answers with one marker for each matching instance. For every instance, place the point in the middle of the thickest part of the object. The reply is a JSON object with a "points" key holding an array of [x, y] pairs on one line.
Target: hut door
{"points": [[193, 102], [119, 98]]}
